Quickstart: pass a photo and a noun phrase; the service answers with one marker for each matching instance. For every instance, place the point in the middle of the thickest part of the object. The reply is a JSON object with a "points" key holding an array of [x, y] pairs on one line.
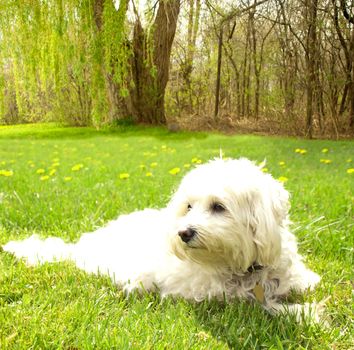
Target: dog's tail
{"points": [[37, 251]]}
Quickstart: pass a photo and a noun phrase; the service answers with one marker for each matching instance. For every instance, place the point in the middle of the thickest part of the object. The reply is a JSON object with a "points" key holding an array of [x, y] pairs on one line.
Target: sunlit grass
{"points": [[66, 181]]}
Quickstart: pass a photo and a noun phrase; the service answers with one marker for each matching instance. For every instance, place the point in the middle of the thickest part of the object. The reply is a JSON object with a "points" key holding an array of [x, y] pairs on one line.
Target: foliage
{"points": [[54, 59], [101, 174]]}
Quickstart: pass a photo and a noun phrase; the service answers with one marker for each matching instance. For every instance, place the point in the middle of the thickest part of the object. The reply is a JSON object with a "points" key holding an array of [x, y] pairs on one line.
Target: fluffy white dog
{"points": [[224, 234]]}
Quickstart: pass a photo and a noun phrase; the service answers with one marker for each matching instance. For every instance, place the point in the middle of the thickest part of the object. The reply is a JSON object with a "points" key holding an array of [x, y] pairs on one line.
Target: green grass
{"points": [[58, 306]]}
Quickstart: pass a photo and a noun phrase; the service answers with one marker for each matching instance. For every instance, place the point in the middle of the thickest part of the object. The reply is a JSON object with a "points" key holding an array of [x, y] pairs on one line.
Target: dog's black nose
{"points": [[187, 235]]}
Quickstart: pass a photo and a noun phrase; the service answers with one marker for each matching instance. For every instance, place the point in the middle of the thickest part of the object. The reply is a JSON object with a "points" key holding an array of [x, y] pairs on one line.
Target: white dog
{"points": [[224, 234]]}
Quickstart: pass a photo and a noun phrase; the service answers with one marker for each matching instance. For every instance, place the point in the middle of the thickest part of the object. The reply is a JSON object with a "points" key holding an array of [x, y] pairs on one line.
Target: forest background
{"points": [[273, 66]]}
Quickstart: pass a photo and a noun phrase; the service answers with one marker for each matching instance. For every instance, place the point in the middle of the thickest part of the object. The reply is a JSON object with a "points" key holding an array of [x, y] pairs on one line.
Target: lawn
{"points": [[66, 181]]}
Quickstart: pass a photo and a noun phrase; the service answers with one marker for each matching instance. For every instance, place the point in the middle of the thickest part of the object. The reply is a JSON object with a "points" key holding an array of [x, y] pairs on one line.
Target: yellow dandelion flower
{"points": [[281, 163], [325, 161], [303, 151], [56, 164], [282, 179], [350, 171], [297, 150], [52, 172], [6, 173], [163, 146], [40, 171], [195, 160], [349, 160], [123, 176], [44, 178], [186, 165], [142, 166], [67, 178], [148, 174], [265, 170], [77, 167], [174, 171], [153, 165], [324, 150]]}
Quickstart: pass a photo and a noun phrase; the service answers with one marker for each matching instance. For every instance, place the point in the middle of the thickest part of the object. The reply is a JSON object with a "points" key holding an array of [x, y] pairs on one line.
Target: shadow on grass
{"points": [[56, 131], [244, 325]]}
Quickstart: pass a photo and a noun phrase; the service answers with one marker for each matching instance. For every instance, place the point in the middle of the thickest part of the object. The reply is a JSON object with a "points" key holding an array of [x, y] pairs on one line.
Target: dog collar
{"points": [[255, 267]]}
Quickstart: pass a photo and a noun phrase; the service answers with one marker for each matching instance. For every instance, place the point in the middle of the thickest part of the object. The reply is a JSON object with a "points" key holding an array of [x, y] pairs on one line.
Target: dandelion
{"points": [[265, 170], [44, 178], [349, 160], [174, 171], [281, 163], [186, 165], [350, 171], [325, 161], [56, 164], [52, 172], [300, 151], [77, 167], [40, 171], [153, 165], [6, 173], [282, 179], [142, 166], [324, 150], [196, 160], [148, 174], [67, 178], [203, 335], [123, 176], [163, 146]]}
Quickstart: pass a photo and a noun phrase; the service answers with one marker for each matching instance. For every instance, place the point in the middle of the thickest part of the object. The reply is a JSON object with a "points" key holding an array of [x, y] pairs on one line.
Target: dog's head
{"points": [[229, 214]]}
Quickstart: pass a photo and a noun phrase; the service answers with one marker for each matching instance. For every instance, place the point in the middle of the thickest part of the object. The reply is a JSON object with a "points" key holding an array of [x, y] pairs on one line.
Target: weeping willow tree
{"points": [[73, 61]]}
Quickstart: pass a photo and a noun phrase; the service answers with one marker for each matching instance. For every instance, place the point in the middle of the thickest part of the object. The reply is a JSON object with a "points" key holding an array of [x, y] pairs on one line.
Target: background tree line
{"points": [[283, 65]]}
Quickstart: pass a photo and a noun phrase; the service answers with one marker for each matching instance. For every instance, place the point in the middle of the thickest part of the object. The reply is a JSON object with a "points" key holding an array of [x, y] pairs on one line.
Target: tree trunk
{"points": [[255, 64], [218, 75], [150, 69], [311, 63]]}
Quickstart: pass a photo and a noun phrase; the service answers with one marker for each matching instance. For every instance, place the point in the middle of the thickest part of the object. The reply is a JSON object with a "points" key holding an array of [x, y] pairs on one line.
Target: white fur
{"points": [[143, 250]]}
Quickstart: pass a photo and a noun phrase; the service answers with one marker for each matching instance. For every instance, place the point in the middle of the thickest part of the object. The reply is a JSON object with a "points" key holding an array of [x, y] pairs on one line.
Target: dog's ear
{"points": [[269, 210]]}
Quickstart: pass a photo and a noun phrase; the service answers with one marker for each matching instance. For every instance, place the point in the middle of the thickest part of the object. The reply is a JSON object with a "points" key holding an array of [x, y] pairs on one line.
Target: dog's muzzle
{"points": [[187, 235]]}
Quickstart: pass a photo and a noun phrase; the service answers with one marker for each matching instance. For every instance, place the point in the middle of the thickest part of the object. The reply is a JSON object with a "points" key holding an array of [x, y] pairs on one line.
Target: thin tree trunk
{"points": [[218, 75], [311, 63]]}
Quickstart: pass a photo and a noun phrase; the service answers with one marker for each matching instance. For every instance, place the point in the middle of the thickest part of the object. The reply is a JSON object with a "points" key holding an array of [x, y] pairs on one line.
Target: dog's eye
{"points": [[189, 207], [217, 208]]}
